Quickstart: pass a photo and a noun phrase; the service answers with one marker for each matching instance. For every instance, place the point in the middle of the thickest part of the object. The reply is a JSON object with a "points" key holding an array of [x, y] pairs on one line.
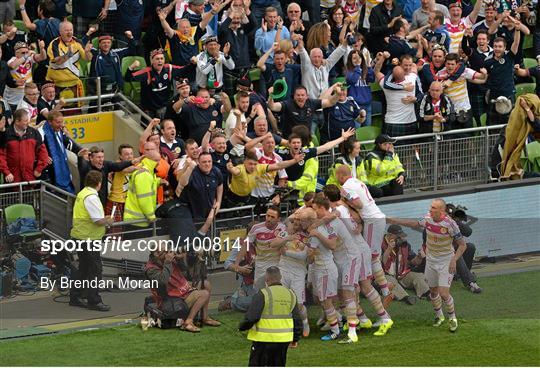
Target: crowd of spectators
{"points": [[244, 95]]}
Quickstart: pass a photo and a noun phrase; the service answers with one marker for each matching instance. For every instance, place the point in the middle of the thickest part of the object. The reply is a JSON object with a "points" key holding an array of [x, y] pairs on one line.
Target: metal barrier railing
{"points": [[439, 160]]}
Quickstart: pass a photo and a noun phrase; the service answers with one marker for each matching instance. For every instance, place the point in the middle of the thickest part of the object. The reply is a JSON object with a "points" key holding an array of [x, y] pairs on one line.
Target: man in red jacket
{"points": [[24, 156]]}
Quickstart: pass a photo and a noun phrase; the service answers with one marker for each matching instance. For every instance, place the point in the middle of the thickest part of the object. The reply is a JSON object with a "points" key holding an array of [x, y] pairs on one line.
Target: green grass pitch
{"points": [[500, 327]]}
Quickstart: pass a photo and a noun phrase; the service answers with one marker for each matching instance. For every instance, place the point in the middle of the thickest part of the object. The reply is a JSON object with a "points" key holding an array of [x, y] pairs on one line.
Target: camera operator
{"points": [[398, 260], [242, 262], [464, 264], [174, 290]]}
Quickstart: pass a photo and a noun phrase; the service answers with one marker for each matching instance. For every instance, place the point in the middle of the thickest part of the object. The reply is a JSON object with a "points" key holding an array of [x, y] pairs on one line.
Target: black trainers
{"points": [[474, 288], [77, 302], [409, 300], [100, 307]]}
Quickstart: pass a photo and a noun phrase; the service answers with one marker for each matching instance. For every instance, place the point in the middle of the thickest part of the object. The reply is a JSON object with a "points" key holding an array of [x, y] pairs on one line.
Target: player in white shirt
{"points": [[324, 239], [261, 236], [355, 268], [441, 232], [356, 193], [294, 258]]}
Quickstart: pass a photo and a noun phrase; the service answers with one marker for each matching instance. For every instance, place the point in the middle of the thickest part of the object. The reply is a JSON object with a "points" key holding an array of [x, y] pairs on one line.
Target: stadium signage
{"points": [[90, 128]]}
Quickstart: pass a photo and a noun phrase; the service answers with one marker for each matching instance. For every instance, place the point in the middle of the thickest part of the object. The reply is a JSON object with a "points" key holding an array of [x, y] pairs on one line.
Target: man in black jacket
{"points": [[233, 31], [5, 76], [381, 20], [94, 159], [270, 341]]}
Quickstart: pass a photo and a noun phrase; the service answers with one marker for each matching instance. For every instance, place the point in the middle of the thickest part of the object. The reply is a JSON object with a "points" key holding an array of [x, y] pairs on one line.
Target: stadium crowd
{"points": [[243, 96]]}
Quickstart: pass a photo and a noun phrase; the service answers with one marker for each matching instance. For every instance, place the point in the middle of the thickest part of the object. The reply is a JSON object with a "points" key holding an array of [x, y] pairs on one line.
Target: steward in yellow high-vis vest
{"points": [[272, 321], [382, 168], [89, 222], [141, 200]]}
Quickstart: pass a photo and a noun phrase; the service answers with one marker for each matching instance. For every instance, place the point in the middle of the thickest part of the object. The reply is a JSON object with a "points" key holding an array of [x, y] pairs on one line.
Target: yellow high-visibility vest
{"points": [[276, 323], [380, 171], [141, 200], [83, 226]]}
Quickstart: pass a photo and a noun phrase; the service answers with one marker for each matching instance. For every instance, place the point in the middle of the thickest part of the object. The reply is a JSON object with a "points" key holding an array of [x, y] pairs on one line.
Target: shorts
{"points": [[373, 232], [348, 273], [325, 285], [192, 298], [436, 273], [365, 272], [297, 283]]}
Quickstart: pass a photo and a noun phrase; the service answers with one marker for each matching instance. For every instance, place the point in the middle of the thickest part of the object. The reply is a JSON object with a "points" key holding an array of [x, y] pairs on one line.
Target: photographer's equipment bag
{"points": [[171, 310]]}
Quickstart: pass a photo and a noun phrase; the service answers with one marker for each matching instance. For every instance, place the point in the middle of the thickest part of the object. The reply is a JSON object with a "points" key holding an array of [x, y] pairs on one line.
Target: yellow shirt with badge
{"points": [[66, 74], [119, 187], [243, 183]]}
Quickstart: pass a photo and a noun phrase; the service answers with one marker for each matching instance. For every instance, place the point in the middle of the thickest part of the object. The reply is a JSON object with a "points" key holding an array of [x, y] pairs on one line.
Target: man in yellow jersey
{"points": [[119, 185], [89, 222], [272, 321], [246, 176], [64, 54]]}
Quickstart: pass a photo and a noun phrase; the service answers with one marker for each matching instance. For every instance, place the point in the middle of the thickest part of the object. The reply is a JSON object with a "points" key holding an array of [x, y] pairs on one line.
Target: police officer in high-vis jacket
{"points": [[89, 224], [272, 321], [381, 170]]}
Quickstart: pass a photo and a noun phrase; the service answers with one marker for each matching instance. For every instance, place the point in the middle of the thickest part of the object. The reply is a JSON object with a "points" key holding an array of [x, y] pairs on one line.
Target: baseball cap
{"points": [[396, 230], [196, 2], [384, 138]]}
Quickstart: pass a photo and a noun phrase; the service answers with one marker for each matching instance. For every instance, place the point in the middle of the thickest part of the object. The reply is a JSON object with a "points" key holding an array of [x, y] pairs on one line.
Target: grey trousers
{"points": [[413, 281]]}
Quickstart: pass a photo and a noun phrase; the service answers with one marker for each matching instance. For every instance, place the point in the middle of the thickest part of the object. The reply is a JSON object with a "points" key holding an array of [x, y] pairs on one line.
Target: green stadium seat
{"points": [[528, 42], [368, 133], [20, 25], [84, 67], [132, 90], [377, 120], [533, 156], [375, 87], [14, 212], [529, 63], [524, 88]]}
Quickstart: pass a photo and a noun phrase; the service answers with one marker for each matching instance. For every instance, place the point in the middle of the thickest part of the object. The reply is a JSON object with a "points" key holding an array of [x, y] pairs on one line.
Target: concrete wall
{"points": [[507, 217]]}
